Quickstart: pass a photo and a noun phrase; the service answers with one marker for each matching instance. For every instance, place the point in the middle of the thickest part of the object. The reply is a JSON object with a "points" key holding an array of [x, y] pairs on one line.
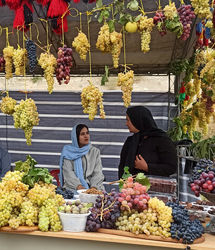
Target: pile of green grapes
{"points": [[20, 206]]}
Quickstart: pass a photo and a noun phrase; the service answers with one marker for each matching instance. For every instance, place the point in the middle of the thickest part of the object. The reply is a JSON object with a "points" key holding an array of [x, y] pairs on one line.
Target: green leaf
{"points": [[99, 4], [126, 173], [142, 179], [105, 76], [106, 14], [100, 18], [133, 5], [111, 26]]}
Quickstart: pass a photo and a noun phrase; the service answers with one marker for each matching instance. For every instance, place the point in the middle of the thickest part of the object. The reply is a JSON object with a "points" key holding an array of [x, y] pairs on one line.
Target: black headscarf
{"points": [[142, 119]]}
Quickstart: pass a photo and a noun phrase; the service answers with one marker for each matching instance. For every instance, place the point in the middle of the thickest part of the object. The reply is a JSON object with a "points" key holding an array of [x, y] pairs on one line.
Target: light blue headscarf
{"points": [[74, 152]]}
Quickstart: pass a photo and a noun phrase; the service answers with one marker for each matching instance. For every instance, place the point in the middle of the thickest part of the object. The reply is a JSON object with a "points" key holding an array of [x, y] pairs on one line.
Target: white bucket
{"points": [[73, 222]]}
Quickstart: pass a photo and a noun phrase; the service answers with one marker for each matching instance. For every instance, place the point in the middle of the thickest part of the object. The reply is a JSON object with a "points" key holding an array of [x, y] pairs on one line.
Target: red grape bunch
{"points": [[158, 20], [133, 196], [64, 64], [186, 15], [2, 63]]}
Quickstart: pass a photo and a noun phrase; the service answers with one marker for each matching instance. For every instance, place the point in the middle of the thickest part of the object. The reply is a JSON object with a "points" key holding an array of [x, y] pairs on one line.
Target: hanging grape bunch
{"points": [[91, 97], [19, 61], [81, 45], [186, 15], [145, 26], [8, 105], [2, 63], [8, 57], [125, 81], [116, 45], [202, 9], [158, 20], [64, 63], [103, 41], [172, 21], [48, 63], [25, 117], [32, 56]]}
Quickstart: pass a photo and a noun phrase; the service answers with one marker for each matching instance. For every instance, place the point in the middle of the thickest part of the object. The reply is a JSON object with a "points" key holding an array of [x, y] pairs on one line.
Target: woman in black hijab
{"points": [[149, 149]]}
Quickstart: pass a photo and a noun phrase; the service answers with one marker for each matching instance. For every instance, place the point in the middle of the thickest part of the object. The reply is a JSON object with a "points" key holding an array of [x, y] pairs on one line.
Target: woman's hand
{"points": [[140, 163], [80, 187]]}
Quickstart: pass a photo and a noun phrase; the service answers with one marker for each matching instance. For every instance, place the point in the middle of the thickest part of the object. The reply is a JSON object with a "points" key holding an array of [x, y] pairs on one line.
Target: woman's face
{"points": [[130, 126], [84, 137]]}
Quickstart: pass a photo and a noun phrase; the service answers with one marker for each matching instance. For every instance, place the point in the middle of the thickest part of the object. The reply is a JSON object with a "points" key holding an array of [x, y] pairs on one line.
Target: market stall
{"points": [[143, 212]]}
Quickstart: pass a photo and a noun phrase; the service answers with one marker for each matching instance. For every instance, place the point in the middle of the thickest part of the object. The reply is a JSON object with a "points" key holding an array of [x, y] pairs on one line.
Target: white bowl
{"points": [[81, 191], [88, 198], [73, 222]]}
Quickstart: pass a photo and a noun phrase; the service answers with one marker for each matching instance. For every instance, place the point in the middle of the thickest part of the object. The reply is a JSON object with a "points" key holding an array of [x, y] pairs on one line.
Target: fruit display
{"points": [[92, 191], [20, 206], [2, 63], [145, 26], [19, 61], [186, 15], [8, 105], [133, 196], [8, 57], [105, 212], [81, 45], [64, 64], [170, 11], [103, 41], [155, 220], [203, 177], [25, 117], [48, 63], [182, 227], [125, 81], [75, 207], [66, 193], [32, 55], [91, 97]]}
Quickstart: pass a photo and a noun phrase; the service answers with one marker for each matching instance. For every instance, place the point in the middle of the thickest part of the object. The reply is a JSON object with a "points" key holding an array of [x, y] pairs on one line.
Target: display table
{"points": [[38, 240]]}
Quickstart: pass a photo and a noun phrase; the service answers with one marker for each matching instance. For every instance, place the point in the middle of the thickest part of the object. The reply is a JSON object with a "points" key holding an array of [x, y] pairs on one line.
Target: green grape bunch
{"points": [[25, 117]]}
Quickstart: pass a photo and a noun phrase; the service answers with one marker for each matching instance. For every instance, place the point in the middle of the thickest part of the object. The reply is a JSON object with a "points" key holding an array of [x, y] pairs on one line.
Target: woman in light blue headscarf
{"points": [[80, 162]]}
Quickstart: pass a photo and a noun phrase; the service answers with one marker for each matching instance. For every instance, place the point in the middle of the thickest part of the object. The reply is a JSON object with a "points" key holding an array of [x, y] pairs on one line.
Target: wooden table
{"points": [[38, 240]]}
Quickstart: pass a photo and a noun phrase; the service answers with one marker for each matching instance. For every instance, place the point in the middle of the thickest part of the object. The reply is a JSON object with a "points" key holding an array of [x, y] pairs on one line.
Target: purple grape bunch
{"points": [[186, 15], [2, 63], [64, 64], [105, 212]]}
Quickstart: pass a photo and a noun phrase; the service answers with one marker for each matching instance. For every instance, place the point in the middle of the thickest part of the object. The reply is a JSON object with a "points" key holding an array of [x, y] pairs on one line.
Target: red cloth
{"points": [[43, 2], [59, 25], [19, 20], [57, 8], [13, 4]]}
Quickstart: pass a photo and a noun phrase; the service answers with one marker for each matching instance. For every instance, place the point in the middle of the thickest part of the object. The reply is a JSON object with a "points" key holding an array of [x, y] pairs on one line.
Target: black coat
{"points": [[158, 151]]}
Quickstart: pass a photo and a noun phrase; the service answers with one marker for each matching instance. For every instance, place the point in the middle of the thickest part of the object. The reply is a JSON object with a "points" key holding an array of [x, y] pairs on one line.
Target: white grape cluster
{"points": [[156, 220], [170, 11], [48, 63], [110, 43], [91, 97], [20, 206], [19, 61], [145, 26], [8, 105], [8, 57], [103, 41], [116, 45], [125, 81], [25, 117], [202, 9], [81, 44]]}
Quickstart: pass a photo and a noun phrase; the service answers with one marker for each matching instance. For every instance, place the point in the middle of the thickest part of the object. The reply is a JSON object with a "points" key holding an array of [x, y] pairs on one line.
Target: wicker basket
{"points": [[209, 196]]}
